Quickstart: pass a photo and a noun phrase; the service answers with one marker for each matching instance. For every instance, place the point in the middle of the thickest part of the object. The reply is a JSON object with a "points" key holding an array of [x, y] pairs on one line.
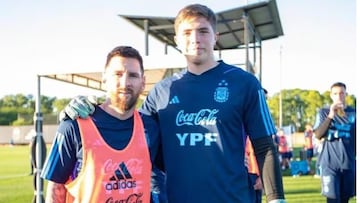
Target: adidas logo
{"points": [[174, 100], [121, 173], [121, 179]]}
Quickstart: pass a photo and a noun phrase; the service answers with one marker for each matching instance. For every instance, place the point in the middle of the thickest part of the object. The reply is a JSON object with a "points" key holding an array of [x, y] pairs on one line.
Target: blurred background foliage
{"points": [[299, 107]]}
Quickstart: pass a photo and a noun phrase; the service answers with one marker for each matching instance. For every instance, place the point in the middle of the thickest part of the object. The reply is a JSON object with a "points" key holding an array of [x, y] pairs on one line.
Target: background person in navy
{"points": [[203, 113], [337, 126]]}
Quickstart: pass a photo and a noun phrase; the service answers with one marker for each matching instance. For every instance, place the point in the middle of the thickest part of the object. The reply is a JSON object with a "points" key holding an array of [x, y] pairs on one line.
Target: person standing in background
{"points": [[283, 150], [32, 140], [336, 126], [309, 147], [253, 170]]}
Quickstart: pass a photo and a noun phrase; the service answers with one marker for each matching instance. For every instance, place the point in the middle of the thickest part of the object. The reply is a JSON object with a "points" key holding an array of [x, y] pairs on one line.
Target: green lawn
{"points": [[16, 185]]}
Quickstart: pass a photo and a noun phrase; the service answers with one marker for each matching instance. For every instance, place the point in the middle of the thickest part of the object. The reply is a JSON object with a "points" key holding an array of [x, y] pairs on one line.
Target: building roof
{"points": [[263, 15], [264, 23]]}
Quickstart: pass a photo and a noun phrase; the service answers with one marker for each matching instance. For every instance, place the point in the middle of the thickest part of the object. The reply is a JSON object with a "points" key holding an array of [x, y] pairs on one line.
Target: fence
{"points": [[22, 134]]}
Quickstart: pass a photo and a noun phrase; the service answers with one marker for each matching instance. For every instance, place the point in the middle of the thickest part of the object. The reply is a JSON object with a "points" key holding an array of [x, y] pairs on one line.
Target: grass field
{"points": [[16, 185]]}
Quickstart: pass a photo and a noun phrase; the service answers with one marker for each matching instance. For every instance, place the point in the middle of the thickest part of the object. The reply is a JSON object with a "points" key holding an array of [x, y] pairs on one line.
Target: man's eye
{"points": [[134, 75], [117, 74]]}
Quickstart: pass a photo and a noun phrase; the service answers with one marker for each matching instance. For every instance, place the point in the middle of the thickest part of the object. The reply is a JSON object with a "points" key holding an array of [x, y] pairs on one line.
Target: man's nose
{"points": [[194, 36]]}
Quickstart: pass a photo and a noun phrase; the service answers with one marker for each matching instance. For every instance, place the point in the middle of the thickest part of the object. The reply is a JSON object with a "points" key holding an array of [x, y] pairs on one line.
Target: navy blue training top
{"points": [[202, 121], [339, 144]]}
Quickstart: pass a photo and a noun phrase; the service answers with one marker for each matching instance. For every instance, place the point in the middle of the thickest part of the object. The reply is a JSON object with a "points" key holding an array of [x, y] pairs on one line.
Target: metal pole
{"points": [[40, 148], [246, 41], [260, 61], [146, 29]]}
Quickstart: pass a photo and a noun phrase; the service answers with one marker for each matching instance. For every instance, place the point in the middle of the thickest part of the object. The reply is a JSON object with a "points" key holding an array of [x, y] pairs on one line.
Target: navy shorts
{"points": [[284, 155], [336, 184], [290, 155], [309, 153]]}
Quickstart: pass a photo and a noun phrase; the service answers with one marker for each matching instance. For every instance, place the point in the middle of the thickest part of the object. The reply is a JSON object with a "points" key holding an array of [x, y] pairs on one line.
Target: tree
{"points": [[300, 106], [47, 104], [19, 109], [59, 104]]}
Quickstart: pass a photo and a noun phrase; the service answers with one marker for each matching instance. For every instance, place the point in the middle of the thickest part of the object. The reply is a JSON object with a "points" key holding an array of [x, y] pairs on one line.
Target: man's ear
{"points": [[177, 45], [175, 39], [143, 83], [217, 36]]}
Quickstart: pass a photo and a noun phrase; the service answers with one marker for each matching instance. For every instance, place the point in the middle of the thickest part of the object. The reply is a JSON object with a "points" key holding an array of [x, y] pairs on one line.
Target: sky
{"points": [[317, 49]]}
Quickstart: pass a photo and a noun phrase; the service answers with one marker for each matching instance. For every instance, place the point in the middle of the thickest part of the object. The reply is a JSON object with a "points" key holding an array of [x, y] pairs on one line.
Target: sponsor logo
{"points": [[134, 198], [203, 117], [121, 179], [193, 139], [174, 100]]}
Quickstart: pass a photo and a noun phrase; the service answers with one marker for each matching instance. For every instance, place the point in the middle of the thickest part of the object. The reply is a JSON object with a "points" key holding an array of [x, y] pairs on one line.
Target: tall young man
{"points": [[203, 113]]}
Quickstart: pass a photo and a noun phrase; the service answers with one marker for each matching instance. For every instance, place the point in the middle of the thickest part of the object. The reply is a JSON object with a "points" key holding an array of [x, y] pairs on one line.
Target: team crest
{"points": [[221, 93]]}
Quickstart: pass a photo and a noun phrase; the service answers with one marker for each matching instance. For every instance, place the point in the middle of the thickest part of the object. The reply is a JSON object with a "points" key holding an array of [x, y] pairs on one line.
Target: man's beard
{"points": [[124, 103]]}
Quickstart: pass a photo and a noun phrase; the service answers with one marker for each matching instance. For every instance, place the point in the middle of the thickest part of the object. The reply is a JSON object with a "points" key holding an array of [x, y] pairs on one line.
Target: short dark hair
{"points": [[125, 51], [196, 10], [338, 84]]}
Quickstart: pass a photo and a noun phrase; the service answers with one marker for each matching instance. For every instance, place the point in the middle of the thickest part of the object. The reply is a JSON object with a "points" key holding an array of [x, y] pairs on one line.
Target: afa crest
{"points": [[221, 93]]}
